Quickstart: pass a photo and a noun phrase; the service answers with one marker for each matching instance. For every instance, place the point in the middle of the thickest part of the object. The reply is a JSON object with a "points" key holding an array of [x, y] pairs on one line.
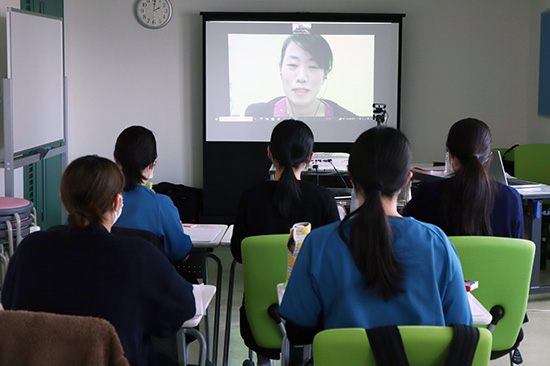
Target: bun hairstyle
{"points": [[135, 150], [471, 191], [379, 165], [315, 45], [89, 186], [290, 146]]}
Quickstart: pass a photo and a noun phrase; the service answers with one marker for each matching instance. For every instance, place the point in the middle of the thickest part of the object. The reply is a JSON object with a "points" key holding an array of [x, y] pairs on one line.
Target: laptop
{"points": [[496, 170]]}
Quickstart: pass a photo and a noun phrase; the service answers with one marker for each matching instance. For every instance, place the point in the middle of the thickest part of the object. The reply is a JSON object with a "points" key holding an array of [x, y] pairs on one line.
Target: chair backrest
{"points": [[144, 234], [36, 338], [264, 266], [424, 345], [532, 162], [502, 266]]}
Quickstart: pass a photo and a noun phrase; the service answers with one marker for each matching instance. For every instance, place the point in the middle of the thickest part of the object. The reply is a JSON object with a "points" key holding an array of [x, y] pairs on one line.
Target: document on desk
{"points": [[203, 295], [204, 233], [436, 171], [531, 190]]}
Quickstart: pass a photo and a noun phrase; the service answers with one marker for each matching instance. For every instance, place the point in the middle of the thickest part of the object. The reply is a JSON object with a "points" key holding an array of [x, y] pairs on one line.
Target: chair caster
{"points": [[516, 357], [248, 363]]}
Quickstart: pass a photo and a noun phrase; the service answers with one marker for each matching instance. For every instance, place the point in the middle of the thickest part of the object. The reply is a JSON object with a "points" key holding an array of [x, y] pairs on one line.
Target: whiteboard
{"points": [[35, 66]]}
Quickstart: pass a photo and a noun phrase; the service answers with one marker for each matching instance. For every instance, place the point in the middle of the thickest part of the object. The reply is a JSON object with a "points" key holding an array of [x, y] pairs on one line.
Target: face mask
{"points": [[151, 174], [354, 204]]}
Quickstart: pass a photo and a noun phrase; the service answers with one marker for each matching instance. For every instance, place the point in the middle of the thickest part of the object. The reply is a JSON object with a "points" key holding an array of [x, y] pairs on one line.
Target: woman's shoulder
{"points": [[411, 227], [339, 111], [146, 194], [504, 190], [262, 109], [314, 189]]}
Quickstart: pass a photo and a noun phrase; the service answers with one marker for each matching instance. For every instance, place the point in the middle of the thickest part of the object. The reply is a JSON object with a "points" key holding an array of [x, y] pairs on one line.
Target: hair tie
{"points": [[374, 187]]}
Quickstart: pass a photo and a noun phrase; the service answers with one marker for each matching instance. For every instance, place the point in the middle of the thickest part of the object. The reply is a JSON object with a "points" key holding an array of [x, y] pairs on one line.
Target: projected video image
{"points": [[325, 73], [301, 75]]}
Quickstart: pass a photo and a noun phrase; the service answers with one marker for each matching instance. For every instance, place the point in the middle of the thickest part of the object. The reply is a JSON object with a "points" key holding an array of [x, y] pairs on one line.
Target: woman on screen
{"points": [[306, 60]]}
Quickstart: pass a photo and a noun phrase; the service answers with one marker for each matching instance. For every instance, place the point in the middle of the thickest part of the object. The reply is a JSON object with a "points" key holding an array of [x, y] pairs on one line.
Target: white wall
{"points": [[538, 126], [460, 58]]}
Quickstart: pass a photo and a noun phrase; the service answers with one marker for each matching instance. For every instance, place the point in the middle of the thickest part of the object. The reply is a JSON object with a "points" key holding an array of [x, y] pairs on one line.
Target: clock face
{"points": [[154, 13]]}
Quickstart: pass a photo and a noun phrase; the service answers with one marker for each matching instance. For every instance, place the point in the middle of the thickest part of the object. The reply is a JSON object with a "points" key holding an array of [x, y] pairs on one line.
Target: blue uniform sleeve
{"points": [[456, 307], [301, 303], [176, 242]]}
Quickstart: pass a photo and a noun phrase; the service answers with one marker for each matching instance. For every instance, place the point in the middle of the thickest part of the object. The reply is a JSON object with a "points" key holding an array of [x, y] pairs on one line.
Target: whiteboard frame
{"points": [[17, 154]]}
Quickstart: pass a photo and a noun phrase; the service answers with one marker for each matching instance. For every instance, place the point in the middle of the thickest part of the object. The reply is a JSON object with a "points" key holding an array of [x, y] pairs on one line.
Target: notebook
{"points": [[496, 170]]}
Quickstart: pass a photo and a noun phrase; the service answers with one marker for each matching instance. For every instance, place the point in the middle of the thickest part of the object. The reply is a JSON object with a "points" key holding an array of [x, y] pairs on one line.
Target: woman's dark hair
{"points": [[291, 145], [316, 45], [88, 188], [379, 165], [471, 191], [135, 150]]}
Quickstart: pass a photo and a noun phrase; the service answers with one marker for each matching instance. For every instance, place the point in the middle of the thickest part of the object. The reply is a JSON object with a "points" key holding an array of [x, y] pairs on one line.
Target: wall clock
{"points": [[153, 13]]}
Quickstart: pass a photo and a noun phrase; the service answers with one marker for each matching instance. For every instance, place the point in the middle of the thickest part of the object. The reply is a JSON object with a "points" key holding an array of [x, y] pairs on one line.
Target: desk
{"points": [[205, 238], [532, 199], [226, 242], [532, 219]]}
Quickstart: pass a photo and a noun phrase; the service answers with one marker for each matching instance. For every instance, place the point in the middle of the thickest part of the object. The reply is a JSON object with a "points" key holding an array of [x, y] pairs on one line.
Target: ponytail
{"points": [[379, 165], [470, 193], [291, 145], [371, 247], [287, 192], [470, 199]]}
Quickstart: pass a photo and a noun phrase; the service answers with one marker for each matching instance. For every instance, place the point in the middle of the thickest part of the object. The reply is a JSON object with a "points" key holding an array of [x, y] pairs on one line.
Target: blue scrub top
{"points": [[146, 210], [326, 288]]}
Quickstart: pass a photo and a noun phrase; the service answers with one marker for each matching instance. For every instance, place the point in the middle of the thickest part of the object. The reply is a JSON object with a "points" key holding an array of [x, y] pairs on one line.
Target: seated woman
{"points": [[85, 270], [306, 60], [136, 154], [470, 202], [375, 268], [272, 207]]}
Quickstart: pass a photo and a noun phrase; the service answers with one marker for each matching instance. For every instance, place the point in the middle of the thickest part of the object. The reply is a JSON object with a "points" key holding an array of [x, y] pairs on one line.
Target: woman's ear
{"points": [[269, 153], [117, 204], [310, 158], [409, 178]]}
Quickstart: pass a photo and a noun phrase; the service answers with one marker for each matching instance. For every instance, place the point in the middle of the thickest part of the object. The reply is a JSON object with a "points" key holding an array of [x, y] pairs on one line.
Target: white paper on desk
{"points": [[525, 190], [203, 233], [203, 295]]}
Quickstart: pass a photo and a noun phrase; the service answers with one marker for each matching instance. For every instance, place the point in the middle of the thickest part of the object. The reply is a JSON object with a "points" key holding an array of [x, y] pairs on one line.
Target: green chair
{"points": [[264, 266], [532, 162], [424, 345], [502, 266]]}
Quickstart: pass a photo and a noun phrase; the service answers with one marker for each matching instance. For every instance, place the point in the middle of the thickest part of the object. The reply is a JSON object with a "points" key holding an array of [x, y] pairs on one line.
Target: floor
{"points": [[535, 348]]}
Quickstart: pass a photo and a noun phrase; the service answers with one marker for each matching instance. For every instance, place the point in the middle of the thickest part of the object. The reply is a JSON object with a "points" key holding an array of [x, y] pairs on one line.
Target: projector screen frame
{"points": [[230, 167]]}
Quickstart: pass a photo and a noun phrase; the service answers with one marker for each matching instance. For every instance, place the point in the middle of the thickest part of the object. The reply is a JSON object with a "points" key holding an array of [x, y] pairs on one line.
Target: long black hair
{"points": [[135, 150], [379, 165], [471, 191], [290, 146]]}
